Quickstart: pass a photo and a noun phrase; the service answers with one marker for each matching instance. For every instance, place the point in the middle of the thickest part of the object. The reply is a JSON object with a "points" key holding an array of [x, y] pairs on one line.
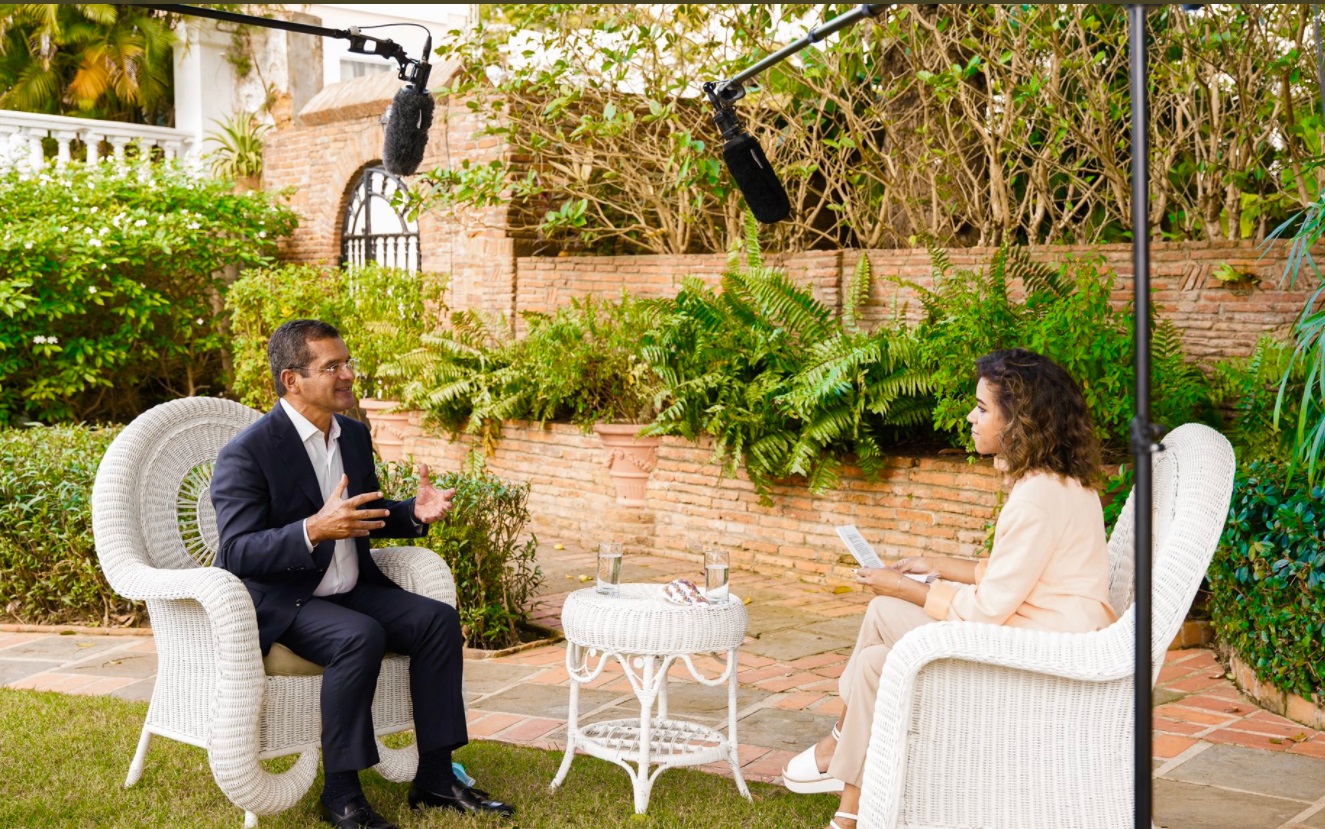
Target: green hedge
{"points": [[48, 561], [1268, 579]]}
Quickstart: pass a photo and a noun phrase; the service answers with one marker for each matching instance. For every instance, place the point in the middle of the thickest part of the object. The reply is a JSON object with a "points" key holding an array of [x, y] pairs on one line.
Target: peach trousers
{"points": [[887, 620]]}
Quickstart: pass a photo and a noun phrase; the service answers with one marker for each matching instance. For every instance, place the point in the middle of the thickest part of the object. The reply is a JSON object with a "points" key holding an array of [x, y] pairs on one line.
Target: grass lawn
{"points": [[63, 760]]}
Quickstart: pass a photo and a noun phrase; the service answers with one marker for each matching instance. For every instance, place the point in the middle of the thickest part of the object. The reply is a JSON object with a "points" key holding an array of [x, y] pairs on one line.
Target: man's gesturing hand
{"points": [[432, 503], [342, 518]]}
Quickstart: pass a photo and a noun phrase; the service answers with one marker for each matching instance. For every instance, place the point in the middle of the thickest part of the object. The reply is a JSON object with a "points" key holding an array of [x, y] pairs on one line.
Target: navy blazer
{"points": [[263, 488]]}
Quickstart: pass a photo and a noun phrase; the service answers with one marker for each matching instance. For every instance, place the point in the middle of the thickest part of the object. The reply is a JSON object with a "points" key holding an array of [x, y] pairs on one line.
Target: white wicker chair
{"points": [[156, 538], [994, 727]]}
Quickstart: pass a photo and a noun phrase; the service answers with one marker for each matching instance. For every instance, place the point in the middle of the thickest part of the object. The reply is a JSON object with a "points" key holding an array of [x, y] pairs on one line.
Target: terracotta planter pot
{"points": [[629, 460], [389, 425]]}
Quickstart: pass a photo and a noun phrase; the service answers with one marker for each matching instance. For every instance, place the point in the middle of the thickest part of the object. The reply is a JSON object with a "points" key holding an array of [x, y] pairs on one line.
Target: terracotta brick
{"points": [[1242, 738], [1167, 746], [1314, 747], [491, 724], [530, 729]]}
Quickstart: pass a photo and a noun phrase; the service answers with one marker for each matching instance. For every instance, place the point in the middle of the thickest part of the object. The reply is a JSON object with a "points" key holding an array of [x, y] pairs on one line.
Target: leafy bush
{"points": [[48, 561], [495, 573], [582, 365], [259, 302], [381, 313], [110, 286], [1268, 579], [387, 315], [1304, 373], [1247, 391], [781, 385], [1067, 316]]}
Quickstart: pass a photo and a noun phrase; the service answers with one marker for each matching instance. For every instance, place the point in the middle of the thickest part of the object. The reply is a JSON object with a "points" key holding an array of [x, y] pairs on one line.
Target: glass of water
{"points": [[609, 568], [716, 565]]}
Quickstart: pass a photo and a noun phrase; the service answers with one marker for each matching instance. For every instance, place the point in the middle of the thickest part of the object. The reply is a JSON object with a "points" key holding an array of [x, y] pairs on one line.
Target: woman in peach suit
{"points": [[1048, 569]]}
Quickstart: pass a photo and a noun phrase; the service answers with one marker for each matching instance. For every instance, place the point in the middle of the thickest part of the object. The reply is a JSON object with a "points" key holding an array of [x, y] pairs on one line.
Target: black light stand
{"points": [[1144, 434]]}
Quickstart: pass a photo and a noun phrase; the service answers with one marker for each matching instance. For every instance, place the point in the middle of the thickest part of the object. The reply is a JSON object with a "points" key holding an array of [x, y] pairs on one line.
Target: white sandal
{"points": [[802, 775], [847, 815]]}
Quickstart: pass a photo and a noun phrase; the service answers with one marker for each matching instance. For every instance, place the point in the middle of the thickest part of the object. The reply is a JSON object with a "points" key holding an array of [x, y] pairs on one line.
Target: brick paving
{"points": [[1221, 761]]}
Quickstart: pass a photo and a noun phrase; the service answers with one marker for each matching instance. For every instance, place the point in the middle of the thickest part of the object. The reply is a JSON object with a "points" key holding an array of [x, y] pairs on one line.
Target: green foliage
{"points": [[94, 60], [974, 124], [582, 364], [110, 286], [381, 313], [765, 369], [1247, 390], [389, 310], [48, 561], [480, 539], [1268, 579], [1306, 367], [239, 141], [259, 302], [1065, 314]]}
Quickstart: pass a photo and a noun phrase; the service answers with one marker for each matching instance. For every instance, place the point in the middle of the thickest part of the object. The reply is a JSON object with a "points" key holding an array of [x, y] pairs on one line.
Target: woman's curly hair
{"points": [[1048, 425]]}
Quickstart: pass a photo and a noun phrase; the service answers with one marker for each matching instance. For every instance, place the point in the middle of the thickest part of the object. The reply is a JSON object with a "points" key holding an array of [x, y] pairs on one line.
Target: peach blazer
{"points": [[1049, 567]]}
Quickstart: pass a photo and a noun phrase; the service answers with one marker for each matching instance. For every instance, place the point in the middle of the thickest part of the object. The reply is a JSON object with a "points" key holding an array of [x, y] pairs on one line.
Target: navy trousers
{"points": [[348, 634]]}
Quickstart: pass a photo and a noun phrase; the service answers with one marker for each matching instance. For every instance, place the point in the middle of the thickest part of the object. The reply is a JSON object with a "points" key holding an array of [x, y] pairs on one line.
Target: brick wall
{"points": [[923, 505], [338, 134]]}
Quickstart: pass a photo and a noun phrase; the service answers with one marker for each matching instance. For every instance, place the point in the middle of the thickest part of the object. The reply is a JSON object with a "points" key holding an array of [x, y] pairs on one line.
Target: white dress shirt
{"points": [[324, 454]]}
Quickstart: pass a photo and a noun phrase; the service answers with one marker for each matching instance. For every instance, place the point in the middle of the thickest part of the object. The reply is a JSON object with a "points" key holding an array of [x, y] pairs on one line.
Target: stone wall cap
{"points": [[365, 97]]}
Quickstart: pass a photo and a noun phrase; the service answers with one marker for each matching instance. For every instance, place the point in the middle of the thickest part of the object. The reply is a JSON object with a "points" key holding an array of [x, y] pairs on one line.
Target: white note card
{"points": [[859, 547]]}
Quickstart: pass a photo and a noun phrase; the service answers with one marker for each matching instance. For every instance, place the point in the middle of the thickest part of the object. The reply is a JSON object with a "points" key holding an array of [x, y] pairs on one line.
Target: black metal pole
{"points": [[1142, 432]]}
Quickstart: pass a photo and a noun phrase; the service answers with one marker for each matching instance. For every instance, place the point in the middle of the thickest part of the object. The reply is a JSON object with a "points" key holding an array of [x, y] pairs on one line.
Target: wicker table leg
{"points": [[574, 666]]}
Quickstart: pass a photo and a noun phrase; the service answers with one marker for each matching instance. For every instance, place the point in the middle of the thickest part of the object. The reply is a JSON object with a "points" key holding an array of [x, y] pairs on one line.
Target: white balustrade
{"points": [[22, 135]]}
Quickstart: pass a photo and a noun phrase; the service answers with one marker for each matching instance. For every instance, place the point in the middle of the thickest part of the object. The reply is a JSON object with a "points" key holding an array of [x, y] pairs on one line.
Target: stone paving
{"points": [[1220, 761]]}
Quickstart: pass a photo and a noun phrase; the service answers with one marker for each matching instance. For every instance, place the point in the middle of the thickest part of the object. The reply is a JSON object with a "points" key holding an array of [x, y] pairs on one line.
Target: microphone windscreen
{"points": [[755, 177], [407, 131]]}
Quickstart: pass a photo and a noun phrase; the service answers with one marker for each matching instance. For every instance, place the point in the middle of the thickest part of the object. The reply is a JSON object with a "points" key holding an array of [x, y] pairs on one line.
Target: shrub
{"points": [[1066, 315], [1268, 579], [583, 364], [258, 302], [48, 562], [780, 384], [381, 314], [110, 286], [495, 573]]}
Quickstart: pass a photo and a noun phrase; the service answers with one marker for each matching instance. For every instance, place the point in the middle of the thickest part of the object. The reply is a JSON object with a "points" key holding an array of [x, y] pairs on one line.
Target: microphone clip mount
{"points": [[722, 94], [412, 71]]}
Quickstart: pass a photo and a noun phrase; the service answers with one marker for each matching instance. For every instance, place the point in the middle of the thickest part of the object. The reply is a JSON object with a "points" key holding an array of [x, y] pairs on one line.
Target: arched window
{"points": [[374, 230]]}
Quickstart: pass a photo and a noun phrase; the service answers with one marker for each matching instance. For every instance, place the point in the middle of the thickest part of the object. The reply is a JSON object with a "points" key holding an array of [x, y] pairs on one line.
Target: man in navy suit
{"points": [[297, 498]]}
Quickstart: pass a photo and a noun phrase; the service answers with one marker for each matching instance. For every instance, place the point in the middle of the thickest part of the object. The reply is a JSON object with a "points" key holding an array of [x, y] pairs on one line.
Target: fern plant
{"points": [[782, 386]]}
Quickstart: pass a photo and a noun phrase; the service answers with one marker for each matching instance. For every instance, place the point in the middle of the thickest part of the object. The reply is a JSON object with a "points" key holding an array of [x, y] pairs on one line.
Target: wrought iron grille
{"points": [[374, 230]]}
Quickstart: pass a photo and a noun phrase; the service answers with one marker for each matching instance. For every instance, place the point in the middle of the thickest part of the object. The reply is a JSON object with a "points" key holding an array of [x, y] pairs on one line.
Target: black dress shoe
{"points": [[459, 798], [357, 815]]}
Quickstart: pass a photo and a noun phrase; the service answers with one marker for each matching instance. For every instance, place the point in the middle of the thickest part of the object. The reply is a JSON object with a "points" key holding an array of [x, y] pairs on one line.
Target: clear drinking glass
{"points": [[609, 568], [716, 566]]}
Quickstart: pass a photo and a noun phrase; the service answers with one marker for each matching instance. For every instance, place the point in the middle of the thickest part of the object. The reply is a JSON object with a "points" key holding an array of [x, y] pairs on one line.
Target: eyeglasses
{"points": [[332, 370]]}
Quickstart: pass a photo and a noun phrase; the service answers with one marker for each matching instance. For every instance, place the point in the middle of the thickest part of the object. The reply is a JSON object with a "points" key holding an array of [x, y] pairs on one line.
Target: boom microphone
{"points": [[764, 193], [407, 125]]}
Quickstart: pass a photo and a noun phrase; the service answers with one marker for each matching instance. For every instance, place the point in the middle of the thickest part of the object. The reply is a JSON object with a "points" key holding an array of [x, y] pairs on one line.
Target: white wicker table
{"points": [[646, 635]]}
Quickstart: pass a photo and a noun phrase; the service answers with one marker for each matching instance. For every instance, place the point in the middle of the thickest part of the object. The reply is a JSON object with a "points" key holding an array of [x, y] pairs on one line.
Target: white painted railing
{"points": [[22, 136]]}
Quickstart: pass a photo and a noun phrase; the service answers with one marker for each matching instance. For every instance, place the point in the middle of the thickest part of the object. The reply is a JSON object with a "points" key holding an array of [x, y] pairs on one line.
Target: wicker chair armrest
{"points": [[418, 570], [1099, 657]]}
